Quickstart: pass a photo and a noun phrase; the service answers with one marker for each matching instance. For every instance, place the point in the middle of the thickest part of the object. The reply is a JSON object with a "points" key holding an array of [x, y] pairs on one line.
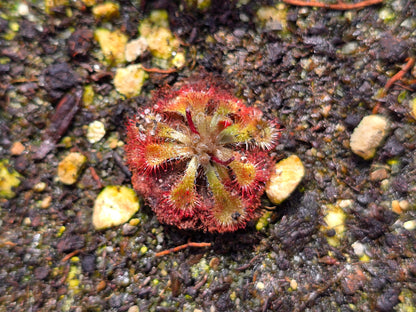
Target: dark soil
{"points": [[319, 77]]}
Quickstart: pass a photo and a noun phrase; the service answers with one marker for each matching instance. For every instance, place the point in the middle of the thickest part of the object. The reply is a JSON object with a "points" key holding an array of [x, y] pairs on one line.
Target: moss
{"points": [[9, 179], [155, 29], [113, 44]]}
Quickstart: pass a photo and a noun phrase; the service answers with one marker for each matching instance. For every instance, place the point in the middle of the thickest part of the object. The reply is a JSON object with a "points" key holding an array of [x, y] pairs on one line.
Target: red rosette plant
{"points": [[199, 157]]}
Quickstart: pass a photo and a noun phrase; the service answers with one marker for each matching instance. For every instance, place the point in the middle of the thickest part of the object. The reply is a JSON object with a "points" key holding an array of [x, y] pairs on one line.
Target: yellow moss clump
{"points": [[272, 17], [199, 4], [106, 10], [51, 4], [9, 179], [113, 45], [129, 80], [162, 43], [335, 220]]}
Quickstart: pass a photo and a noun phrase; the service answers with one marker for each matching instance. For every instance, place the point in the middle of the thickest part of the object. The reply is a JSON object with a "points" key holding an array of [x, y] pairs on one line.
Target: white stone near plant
{"points": [[368, 135], [115, 205], [95, 132]]}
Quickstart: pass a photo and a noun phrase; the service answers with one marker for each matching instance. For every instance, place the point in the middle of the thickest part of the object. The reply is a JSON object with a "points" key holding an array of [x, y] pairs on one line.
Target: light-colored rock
{"points": [[17, 148], [115, 205], [95, 132], [368, 135], [135, 48], [359, 248], [179, 60], [395, 207], [39, 187], [70, 168], [134, 308], [410, 225], [129, 80], [287, 175]]}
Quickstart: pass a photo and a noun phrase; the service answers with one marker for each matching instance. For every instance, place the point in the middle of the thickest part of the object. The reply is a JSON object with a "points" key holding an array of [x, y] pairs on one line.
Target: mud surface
{"points": [[318, 71]]}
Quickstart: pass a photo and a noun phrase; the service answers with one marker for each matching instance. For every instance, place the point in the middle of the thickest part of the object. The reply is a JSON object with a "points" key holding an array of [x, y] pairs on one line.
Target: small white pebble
{"points": [[46, 202], [260, 285], [293, 284], [410, 225], [134, 308], [358, 248], [23, 9], [96, 131], [404, 204], [413, 107]]}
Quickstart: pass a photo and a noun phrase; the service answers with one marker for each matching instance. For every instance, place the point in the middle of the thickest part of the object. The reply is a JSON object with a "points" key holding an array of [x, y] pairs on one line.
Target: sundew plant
{"points": [[199, 156]]}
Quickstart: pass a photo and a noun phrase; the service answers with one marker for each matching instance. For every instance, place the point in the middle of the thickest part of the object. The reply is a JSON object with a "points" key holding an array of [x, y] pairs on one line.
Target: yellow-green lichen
{"points": [[129, 80], [113, 44], [106, 10], [9, 179], [335, 221], [272, 17], [162, 43]]}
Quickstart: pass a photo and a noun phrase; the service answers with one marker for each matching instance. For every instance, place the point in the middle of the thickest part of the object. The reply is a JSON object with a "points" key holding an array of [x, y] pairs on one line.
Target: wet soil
{"points": [[319, 75]]}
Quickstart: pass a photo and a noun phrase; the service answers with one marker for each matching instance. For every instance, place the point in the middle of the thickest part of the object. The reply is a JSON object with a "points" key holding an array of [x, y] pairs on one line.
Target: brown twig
{"points": [[9, 243], [70, 255], [200, 283], [177, 248], [96, 177], [24, 80], [334, 6], [398, 76], [159, 70]]}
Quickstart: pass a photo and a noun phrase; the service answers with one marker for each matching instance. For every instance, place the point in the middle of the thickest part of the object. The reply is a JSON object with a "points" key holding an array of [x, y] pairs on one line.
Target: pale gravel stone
{"points": [[115, 205], [135, 48], [368, 135], [410, 225], [287, 175], [95, 132]]}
